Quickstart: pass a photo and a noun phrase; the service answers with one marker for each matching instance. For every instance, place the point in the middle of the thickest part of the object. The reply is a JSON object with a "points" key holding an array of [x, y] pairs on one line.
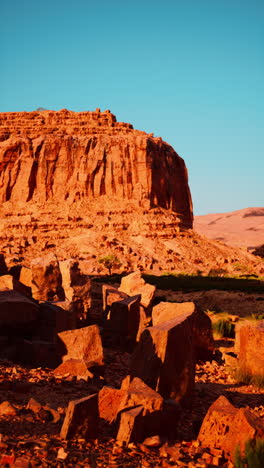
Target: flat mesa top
{"points": [[43, 122]]}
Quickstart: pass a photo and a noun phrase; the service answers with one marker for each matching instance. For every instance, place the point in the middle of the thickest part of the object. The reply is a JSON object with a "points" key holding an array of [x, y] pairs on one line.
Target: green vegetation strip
{"points": [[205, 283]]}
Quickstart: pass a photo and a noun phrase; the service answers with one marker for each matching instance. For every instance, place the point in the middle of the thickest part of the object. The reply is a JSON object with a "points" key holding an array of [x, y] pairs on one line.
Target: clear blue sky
{"points": [[191, 71]]}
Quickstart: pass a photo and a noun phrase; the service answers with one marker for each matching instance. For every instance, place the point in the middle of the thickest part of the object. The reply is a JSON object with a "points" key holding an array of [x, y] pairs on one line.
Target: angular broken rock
{"points": [[25, 276], [17, 310], [34, 405], [81, 419], [134, 284], [73, 367], [227, 427], [165, 358], [112, 401], [138, 393], [202, 327], [77, 286], [84, 344], [109, 401], [46, 279], [8, 282], [111, 295], [54, 319], [123, 319], [131, 425], [6, 409], [165, 311], [251, 354]]}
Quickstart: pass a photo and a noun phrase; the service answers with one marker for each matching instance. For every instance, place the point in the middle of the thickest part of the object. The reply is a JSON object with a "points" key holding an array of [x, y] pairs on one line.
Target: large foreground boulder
{"points": [[201, 329], [227, 428], [166, 355]]}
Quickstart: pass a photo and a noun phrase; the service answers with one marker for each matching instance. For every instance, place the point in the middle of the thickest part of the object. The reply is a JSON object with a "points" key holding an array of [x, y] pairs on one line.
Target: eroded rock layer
{"points": [[69, 156]]}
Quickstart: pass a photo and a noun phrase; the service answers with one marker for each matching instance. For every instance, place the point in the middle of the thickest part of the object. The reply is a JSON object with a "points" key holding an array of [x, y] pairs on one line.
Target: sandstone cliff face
{"points": [[68, 156]]}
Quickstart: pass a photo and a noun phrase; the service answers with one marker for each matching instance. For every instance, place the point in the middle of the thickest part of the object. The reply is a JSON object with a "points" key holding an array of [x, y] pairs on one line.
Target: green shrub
{"points": [[110, 262], [253, 457], [224, 328], [243, 376]]}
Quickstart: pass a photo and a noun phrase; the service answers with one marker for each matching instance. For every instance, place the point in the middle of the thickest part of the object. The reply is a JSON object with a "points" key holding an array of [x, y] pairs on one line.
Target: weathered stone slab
{"points": [[81, 419], [46, 279], [123, 319], [165, 311], [25, 276], [8, 282], [110, 295], [138, 393], [16, 309], [73, 367], [77, 286], [134, 284], [202, 327], [83, 343], [165, 358], [131, 425], [251, 354], [109, 401]]}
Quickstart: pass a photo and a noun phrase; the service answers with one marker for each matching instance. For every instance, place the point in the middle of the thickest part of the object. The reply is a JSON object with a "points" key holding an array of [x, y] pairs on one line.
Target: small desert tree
{"points": [[110, 262]]}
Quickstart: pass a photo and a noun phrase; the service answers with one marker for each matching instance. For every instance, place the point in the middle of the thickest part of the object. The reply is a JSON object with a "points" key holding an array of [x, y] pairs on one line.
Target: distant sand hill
{"points": [[242, 228]]}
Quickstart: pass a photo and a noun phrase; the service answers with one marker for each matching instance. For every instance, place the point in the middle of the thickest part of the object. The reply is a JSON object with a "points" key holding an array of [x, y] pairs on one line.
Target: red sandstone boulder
{"points": [[134, 284], [131, 425], [165, 358], [8, 282], [201, 330], [84, 344], [74, 368], [251, 353], [110, 295], [46, 279], [81, 419], [165, 311], [123, 320], [138, 393], [17, 310], [25, 276], [109, 401], [227, 427], [77, 286]]}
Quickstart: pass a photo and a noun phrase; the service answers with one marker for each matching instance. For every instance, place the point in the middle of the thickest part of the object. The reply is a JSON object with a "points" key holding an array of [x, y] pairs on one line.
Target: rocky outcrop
{"points": [[64, 155]]}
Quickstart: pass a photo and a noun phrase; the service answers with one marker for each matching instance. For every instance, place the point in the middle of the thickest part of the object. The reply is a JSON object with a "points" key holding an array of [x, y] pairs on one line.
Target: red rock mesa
{"points": [[48, 155]]}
